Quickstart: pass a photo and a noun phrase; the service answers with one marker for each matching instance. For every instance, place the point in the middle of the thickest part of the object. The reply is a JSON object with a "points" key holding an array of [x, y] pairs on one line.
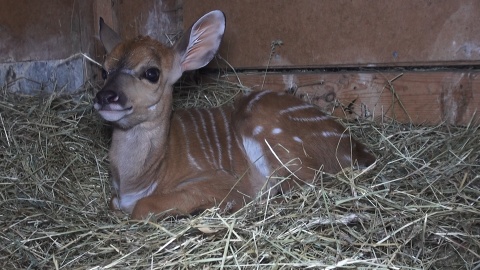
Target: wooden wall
{"points": [[420, 97], [41, 42], [333, 33], [44, 30], [413, 60], [159, 19]]}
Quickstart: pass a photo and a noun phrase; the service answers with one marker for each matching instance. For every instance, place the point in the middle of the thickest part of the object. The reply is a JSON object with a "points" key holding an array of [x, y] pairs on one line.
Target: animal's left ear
{"points": [[108, 37], [200, 43]]}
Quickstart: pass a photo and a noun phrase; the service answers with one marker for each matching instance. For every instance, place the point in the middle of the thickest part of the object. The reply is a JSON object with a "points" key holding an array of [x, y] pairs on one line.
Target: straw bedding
{"points": [[416, 208]]}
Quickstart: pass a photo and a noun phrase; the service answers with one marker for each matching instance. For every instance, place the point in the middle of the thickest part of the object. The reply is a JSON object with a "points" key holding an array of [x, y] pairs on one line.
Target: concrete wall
{"points": [[41, 42]]}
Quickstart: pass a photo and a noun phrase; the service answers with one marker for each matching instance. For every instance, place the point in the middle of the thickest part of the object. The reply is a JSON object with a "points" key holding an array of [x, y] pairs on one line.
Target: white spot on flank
{"points": [[276, 131], [256, 156], [297, 139], [257, 130]]}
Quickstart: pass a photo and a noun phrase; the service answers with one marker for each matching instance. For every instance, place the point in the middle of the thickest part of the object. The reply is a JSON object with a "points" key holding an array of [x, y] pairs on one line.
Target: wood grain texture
{"points": [[158, 19], [44, 30], [429, 98], [346, 33]]}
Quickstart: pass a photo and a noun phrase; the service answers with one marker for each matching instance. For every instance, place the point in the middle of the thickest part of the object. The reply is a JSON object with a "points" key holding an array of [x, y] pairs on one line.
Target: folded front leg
{"points": [[193, 196]]}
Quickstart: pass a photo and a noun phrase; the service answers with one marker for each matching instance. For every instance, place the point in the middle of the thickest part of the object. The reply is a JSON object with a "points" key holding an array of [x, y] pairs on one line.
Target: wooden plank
{"points": [[346, 33], [103, 9], [44, 30], [159, 19], [41, 42], [429, 98]]}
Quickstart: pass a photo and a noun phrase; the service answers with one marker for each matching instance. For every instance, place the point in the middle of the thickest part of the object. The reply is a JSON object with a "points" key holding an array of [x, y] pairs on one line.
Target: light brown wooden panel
{"points": [[346, 33], [44, 30], [105, 10], [411, 97], [158, 19]]}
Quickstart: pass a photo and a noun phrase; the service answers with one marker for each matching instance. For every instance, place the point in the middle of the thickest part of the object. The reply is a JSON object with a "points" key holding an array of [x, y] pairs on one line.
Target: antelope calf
{"points": [[176, 163]]}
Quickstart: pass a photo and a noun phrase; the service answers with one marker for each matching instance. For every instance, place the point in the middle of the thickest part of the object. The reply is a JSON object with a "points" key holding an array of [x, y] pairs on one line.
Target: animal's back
{"points": [[294, 139], [265, 137]]}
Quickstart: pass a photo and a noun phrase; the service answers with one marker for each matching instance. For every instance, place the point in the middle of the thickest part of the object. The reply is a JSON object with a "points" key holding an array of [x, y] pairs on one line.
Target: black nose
{"points": [[105, 97]]}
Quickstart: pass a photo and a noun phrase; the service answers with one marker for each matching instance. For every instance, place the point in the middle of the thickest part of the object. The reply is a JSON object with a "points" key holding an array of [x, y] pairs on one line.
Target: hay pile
{"points": [[417, 208]]}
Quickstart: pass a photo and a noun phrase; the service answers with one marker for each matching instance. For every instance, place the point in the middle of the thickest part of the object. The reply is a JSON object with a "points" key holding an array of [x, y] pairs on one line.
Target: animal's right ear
{"points": [[108, 37]]}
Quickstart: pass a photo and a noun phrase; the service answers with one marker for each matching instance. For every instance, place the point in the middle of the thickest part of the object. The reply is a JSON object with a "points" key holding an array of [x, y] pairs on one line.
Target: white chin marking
{"points": [[114, 116]]}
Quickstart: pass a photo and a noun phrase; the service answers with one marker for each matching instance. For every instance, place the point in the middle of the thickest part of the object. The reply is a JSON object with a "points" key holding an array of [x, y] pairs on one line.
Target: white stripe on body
{"points": [[252, 102], [197, 132], [257, 130], [329, 134], [297, 108], [256, 156], [191, 159], [309, 119], [208, 142], [217, 140], [228, 135]]}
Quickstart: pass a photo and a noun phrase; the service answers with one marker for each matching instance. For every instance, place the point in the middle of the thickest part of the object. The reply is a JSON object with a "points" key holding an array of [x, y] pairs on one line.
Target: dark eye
{"points": [[152, 74], [104, 74]]}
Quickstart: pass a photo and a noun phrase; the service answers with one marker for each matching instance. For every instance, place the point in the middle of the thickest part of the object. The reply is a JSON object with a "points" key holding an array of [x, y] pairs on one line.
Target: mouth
{"points": [[112, 112]]}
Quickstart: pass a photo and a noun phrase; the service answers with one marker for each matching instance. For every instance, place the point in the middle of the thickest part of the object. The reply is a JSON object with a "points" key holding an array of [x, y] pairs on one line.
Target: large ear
{"points": [[200, 43], [108, 37]]}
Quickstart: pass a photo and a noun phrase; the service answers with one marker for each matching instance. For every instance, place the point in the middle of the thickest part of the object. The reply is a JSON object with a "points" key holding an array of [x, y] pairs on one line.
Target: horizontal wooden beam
{"points": [[410, 97]]}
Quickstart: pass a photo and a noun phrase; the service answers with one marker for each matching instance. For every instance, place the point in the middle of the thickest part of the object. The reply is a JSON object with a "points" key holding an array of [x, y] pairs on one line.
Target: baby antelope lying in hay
{"points": [[189, 160]]}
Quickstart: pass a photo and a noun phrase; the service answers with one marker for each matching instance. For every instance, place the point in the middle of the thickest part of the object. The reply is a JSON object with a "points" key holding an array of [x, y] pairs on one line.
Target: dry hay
{"points": [[416, 208]]}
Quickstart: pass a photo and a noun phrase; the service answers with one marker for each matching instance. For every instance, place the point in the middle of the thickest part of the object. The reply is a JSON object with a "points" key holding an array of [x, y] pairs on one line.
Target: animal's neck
{"points": [[136, 154]]}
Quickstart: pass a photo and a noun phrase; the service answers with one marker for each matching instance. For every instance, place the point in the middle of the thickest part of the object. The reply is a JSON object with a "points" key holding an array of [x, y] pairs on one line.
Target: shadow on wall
{"points": [[33, 77]]}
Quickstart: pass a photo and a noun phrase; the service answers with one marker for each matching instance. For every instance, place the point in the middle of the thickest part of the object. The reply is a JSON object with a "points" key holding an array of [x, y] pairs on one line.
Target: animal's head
{"points": [[139, 73]]}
